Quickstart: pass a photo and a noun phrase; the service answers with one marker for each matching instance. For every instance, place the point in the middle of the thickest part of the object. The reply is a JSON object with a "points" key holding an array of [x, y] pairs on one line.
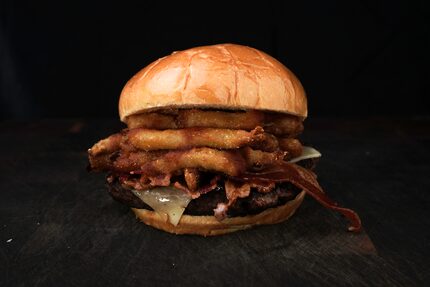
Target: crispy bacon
{"points": [[234, 190], [306, 180], [200, 190], [145, 182], [191, 176], [160, 180], [263, 187]]}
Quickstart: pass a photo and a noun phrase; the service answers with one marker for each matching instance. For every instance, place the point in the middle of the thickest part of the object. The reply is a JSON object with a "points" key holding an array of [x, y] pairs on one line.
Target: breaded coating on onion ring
{"points": [[146, 139]]}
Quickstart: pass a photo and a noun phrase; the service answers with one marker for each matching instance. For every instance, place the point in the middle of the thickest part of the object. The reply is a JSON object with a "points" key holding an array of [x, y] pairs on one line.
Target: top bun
{"points": [[223, 76]]}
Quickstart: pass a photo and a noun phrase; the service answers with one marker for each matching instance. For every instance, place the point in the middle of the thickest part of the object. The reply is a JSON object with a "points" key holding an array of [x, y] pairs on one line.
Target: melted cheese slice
{"points": [[308, 152], [165, 201]]}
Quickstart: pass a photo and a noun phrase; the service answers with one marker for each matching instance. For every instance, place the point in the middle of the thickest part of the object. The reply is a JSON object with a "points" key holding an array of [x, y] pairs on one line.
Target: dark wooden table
{"points": [[59, 227]]}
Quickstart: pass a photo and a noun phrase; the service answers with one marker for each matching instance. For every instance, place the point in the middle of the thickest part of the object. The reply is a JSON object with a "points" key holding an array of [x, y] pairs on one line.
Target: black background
{"points": [[71, 58]]}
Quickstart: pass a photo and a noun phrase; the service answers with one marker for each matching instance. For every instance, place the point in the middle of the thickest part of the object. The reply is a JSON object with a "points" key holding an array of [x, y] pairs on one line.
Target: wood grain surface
{"points": [[59, 227]]}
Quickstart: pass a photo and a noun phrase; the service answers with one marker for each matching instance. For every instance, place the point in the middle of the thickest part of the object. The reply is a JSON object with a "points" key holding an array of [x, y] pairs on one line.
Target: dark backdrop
{"points": [[71, 59]]}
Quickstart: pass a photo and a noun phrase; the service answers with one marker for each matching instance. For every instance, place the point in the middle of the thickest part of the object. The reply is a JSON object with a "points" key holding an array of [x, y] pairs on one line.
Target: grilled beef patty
{"points": [[204, 205]]}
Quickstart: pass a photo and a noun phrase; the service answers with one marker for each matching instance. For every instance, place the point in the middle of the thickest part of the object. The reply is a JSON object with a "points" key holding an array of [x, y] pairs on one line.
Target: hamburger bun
{"points": [[226, 76], [210, 226]]}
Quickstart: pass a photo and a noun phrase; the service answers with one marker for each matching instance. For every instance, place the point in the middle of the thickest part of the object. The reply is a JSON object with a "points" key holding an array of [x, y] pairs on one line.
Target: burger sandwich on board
{"points": [[211, 143]]}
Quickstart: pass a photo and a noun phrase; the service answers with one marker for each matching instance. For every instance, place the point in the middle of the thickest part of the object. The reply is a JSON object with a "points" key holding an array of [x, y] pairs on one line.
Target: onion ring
{"points": [[149, 139]]}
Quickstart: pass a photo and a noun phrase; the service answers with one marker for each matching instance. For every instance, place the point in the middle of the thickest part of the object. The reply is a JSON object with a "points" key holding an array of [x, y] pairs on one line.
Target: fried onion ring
{"points": [[107, 145], [275, 124], [127, 162], [219, 119], [156, 121], [227, 162], [148, 139], [257, 159], [121, 161], [283, 125], [292, 146]]}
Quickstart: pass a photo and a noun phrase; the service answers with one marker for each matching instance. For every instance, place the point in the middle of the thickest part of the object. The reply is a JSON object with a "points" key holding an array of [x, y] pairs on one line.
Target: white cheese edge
{"points": [[168, 201], [308, 152]]}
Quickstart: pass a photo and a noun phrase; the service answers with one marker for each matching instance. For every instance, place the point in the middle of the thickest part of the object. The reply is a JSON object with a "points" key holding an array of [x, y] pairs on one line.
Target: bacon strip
{"points": [[191, 176], [234, 190], [304, 179], [201, 190], [146, 182]]}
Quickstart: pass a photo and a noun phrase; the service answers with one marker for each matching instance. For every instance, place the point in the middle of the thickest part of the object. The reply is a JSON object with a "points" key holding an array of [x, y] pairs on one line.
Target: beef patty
{"points": [[205, 204]]}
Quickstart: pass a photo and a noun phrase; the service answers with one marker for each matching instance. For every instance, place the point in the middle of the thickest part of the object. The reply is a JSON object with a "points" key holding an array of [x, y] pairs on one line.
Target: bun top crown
{"points": [[223, 76]]}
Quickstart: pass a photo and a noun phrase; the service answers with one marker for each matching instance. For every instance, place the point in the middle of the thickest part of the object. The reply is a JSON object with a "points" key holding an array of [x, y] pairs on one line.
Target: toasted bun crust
{"points": [[224, 76], [210, 226]]}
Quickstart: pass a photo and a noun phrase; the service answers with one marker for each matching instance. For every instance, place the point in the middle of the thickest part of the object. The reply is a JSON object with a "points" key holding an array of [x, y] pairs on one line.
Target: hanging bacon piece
{"points": [[304, 179]]}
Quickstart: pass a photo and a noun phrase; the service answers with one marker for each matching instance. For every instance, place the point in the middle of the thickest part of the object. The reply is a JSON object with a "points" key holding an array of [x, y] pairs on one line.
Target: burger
{"points": [[211, 144]]}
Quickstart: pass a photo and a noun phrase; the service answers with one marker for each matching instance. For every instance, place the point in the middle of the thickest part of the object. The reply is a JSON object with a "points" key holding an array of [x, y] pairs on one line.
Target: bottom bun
{"points": [[210, 226]]}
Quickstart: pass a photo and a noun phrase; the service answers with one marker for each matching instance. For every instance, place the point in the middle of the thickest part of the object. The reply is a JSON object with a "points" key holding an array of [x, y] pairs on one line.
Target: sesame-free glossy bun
{"points": [[210, 226], [223, 76]]}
